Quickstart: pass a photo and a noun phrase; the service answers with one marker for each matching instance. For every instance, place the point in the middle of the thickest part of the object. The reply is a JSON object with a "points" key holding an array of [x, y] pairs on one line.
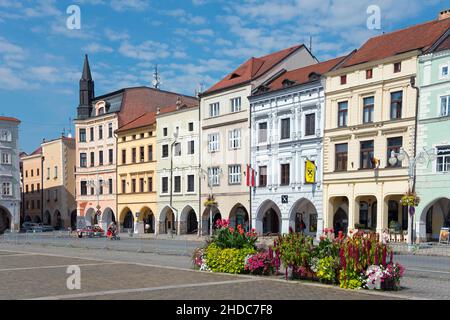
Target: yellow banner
{"points": [[310, 172]]}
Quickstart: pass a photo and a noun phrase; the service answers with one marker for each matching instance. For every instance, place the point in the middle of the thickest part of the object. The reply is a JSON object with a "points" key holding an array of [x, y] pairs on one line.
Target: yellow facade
{"points": [[32, 187], [137, 205], [358, 197]]}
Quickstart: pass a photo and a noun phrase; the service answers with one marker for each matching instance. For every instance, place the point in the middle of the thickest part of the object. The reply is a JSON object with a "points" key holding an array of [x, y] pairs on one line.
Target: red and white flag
{"points": [[250, 176]]}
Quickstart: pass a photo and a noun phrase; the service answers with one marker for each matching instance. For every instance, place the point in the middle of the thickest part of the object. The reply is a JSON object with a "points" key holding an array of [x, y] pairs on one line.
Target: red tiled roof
{"points": [[420, 36], [140, 100], [173, 108], [302, 75], [252, 69], [9, 119], [37, 151], [143, 120]]}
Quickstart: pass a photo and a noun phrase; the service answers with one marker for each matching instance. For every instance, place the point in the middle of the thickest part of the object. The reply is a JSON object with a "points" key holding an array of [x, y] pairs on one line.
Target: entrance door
{"points": [[340, 221], [270, 222]]}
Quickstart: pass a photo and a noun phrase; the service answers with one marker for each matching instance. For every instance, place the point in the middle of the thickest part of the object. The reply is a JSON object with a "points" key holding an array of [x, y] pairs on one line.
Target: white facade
{"points": [[9, 175], [278, 207]]}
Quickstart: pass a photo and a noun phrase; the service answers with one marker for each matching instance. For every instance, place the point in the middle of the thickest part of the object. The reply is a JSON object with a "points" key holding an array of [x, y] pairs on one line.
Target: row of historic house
{"points": [[283, 142]]}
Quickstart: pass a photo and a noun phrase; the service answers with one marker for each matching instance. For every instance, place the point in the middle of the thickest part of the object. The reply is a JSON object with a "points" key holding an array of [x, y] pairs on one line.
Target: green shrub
{"points": [[227, 260], [228, 237], [326, 269], [295, 249]]}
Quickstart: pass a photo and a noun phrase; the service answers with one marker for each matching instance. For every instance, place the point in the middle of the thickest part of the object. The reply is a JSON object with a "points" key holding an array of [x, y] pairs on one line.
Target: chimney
{"points": [[444, 14]]}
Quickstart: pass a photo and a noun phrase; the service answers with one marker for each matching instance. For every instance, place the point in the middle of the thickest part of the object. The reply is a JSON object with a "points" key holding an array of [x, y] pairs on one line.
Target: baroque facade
{"points": [[287, 120]]}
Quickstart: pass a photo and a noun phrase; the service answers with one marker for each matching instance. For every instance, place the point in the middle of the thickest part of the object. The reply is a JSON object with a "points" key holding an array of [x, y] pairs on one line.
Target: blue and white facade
{"points": [[9, 175], [282, 199]]}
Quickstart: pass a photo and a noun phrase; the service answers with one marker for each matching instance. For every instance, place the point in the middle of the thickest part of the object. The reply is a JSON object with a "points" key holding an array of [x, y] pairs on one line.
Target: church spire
{"points": [[86, 91]]}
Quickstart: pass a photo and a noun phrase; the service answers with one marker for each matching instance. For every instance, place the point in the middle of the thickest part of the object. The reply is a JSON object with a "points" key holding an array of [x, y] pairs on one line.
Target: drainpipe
{"points": [[413, 85], [42, 189]]}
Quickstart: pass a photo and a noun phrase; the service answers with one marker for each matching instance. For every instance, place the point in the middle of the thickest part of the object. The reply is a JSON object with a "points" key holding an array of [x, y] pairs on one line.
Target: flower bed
{"points": [[354, 262]]}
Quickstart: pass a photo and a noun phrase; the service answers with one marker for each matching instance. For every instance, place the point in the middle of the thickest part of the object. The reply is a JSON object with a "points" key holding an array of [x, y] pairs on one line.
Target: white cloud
{"points": [[116, 35], [124, 5], [147, 50], [10, 80], [96, 48], [185, 17]]}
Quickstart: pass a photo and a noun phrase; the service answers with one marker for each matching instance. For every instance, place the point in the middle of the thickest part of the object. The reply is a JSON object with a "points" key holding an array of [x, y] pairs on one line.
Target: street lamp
{"points": [[421, 158], [96, 186]]}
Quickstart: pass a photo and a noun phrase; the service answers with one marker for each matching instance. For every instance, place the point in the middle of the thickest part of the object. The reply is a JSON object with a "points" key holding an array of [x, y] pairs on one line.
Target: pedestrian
{"points": [[302, 226], [385, 237]]}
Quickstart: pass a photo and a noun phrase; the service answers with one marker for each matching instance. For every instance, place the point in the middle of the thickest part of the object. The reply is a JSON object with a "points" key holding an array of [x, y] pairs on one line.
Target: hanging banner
{"points": [[310, 172]]}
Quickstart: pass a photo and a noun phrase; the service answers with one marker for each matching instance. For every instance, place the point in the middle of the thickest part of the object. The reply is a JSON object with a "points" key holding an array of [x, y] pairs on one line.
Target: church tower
{"points": [[86, 91]]}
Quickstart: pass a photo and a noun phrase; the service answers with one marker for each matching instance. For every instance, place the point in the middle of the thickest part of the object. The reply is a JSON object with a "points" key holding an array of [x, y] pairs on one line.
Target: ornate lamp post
{"points": [[210, 202], [421, 158]]}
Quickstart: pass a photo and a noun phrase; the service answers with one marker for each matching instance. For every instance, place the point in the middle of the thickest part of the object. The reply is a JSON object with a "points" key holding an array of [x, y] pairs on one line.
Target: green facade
{"points": [[433, 135]]}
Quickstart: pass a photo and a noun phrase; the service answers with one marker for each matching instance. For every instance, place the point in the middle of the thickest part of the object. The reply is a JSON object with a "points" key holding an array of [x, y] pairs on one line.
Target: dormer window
{"points": [[101, 108], [262, 88], [287, 83], [313, 76], [101, 111], [234, 75]]}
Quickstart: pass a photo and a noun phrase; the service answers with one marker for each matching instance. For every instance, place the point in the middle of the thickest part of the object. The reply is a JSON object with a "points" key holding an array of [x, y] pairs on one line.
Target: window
{"points": [[5, 135], [342, 113], [165, 185], [343, 80], [397, 67], [6, 189], [396, 105], [165, 132], [142, 136], [444, 71], [134, 137], [234, 174], [177, 147], [26, 173], [191, 147], [56, 172], [110, 156], [32, 172], [394, 145], [177, 184], [213, 174], [100, 182], [82, 135], [26, 189], [124, 186], [214, 110], [369, 73], [83, 188], [110, 130], [92, 159], [150, 184], [124, 156], [190, 183], [100, 158], [262, 132], [285, 128], [445, 106], [366, 154], [133, 185], [310, 124], [32, 204], [368, 106], [443, 159], [48, 170], [133, 155], [37, 172], [236, 104], [363, 213], [100, 132], [429, 223], [191, 126], [263, 176], [6, 158], [83, 160], [142, 154], [165, 150], [150, 152], [92, 133], [92, 191], [141, 185], [234, 139], [38, 187], [110, 186], [32, 188], [284, 174], [213, 142], [341, 151]]}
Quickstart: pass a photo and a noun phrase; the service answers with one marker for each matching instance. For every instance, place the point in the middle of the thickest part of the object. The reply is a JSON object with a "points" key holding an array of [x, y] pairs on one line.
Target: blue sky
{"points": [[193, 41]]}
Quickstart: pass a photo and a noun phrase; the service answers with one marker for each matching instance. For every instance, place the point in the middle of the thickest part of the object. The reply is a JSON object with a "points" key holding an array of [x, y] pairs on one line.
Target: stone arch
{"points": [[90, 217], [57, 220], [148, 217], [36, 219], [188, 220], [73, 220], [108, 216], [303, 213], [434, 216], [268, 218], [126, 219], [206, 219], [27, 218], [166, 220], [5, 220], [47, 218], [239, 216]]}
